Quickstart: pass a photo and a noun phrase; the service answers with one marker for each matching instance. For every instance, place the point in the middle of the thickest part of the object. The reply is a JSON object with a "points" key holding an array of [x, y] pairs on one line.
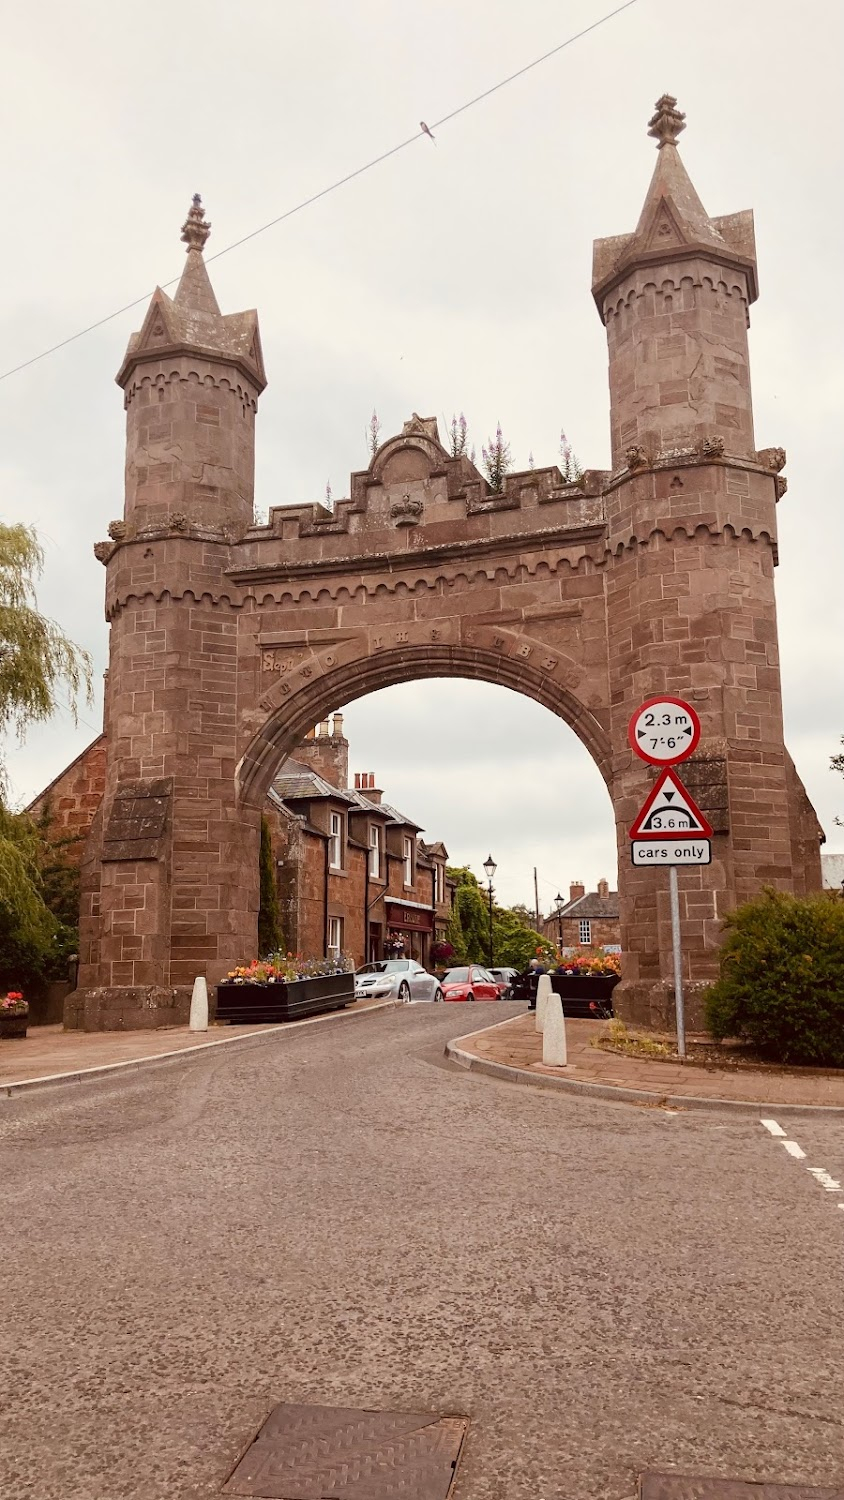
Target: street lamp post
{"points": [[559, 903], [490, 868]]}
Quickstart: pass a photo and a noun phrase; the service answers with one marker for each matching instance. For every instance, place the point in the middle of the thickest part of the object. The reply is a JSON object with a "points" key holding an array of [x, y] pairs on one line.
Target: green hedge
{"points": [[781, 982]]}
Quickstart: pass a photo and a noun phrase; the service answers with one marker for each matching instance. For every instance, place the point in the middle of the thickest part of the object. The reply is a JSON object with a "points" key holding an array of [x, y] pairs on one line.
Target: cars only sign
{"points": [[670, 828]]}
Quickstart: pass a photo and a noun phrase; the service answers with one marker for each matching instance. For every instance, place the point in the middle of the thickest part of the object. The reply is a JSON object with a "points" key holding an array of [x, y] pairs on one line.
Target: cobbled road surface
{"points": [[337, 1215]]}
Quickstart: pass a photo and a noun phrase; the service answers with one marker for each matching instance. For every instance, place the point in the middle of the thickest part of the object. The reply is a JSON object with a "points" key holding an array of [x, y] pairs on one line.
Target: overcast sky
{"points": [[452, 277]]}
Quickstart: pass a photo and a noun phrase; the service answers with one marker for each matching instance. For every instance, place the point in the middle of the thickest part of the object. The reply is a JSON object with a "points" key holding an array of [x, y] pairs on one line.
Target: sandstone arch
{"points": [[228, 638], [334, 681]]}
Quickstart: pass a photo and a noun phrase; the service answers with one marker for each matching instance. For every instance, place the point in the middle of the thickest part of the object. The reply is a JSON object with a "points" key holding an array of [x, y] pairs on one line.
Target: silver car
{"points": [[398, 979]]}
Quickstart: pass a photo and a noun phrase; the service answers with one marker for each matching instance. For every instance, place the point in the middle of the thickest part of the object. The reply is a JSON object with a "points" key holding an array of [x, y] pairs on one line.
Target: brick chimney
{"points": [[326, 749], [603, 888], [577, 888], [367, 786]]}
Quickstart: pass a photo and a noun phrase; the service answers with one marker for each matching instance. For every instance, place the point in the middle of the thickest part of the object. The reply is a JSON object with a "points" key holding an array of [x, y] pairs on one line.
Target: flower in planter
{"points": [[13, 1004], [285, 968], [593, 962]]}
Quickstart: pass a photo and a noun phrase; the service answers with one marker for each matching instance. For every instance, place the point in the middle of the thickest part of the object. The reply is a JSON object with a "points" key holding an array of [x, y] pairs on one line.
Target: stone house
{"points": [[353, 873], [589, 919]]}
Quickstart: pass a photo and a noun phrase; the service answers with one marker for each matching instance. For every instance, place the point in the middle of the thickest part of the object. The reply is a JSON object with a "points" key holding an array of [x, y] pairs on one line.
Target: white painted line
{"points": [[794, 1150], [823, 1177], [772, 1125]]}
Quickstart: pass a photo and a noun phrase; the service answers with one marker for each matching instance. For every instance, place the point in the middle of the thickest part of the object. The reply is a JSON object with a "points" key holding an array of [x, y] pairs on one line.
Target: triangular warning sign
{"points": [[670, 812]]}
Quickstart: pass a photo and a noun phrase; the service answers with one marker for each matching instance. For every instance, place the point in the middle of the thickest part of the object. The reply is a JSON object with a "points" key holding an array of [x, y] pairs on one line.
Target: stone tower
{"points": [[691, 530], [157, 899]]}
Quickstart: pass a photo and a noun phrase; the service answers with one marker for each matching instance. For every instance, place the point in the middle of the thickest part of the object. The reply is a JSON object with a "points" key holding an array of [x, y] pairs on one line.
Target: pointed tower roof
{"points": [[195, 290], [191, 322], [673, 223]]}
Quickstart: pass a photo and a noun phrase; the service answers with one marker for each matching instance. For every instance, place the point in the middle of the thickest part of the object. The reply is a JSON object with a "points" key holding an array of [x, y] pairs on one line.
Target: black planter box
{"points": [[248, 1004], [578, 992]]}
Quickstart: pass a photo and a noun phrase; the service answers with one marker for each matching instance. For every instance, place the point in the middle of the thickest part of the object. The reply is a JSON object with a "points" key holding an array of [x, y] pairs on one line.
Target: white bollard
{"points": [[199, 1005], [543, 994], [554, 1054]]}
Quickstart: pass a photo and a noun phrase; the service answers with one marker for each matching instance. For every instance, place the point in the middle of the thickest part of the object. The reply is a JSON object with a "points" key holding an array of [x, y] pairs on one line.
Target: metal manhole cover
{"points": [[691, 1487], [316, 1452]]}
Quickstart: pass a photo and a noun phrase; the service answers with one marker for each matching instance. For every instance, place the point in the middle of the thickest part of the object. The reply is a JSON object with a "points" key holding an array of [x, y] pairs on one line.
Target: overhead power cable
{"points": [[332, 187]]}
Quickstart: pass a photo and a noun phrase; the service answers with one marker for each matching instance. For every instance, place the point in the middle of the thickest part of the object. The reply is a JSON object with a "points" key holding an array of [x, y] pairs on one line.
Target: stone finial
{"points": [[666, 124], [196, 229]]}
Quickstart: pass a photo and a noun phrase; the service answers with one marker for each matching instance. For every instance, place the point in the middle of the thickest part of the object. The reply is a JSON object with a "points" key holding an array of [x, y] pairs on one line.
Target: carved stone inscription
{"points": [[138, 817]]}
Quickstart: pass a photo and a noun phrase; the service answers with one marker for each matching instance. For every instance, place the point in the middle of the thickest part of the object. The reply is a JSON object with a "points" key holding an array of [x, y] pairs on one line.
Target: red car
{"points": [[471, 983]]}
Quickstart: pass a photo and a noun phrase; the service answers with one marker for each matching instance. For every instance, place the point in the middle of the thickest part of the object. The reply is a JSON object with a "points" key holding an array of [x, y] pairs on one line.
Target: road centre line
{"points": [[823, 1178]]}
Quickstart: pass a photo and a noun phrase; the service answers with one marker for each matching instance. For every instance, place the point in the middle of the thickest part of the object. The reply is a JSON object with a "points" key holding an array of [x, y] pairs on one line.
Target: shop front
{"points": [[410, 931]]}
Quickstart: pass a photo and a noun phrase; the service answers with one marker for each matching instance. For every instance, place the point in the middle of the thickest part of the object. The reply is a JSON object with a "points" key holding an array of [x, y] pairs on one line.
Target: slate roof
{"points": [[296, 782], [590, 906]]}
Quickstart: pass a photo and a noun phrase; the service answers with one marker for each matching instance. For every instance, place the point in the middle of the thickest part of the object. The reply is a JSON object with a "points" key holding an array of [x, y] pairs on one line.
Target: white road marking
{"points": [[822, 1177]]}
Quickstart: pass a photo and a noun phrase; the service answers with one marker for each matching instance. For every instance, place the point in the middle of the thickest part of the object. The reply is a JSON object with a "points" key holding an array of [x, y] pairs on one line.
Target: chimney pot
{"points": [[325, 727], [337, 722], [357, 781]]}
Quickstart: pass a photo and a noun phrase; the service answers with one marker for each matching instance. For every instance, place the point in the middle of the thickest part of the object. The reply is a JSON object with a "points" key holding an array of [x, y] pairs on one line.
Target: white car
{"points": [[398, 979]]}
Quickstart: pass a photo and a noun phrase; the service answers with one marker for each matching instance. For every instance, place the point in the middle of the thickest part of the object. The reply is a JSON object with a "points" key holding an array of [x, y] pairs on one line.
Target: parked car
{"points": [[505, 978], [397, 978], [470, 983]]}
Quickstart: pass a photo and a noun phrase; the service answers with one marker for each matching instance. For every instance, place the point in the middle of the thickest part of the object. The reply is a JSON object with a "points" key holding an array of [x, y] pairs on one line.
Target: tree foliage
{"points": [[781, 983], [269, 922], [514, 941], [36, 662], [39, 926], [837, 764], [36, 659]]}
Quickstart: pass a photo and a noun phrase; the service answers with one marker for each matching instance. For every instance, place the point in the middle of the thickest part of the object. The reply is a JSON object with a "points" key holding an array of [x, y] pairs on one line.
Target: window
{"points": [[408, 861], [374, 851], [335, 846], [335, 936], [440, 884], [585, 932]]}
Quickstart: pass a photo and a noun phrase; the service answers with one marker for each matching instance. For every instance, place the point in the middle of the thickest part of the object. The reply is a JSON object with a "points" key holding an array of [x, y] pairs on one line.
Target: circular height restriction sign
{"points": [[664, 731]]}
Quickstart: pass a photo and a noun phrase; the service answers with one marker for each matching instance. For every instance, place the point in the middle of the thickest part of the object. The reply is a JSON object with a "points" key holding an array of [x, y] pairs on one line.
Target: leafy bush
{"points": [[781, 984]]}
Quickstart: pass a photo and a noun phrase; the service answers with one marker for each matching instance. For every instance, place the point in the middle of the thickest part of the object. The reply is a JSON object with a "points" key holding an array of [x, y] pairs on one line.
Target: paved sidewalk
{"points": [[516, 1045], [50, 1053]]}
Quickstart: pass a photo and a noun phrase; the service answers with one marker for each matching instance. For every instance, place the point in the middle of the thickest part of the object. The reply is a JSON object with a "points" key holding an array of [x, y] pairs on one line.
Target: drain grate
{"points": [[691, 1487], [316, 1452]]}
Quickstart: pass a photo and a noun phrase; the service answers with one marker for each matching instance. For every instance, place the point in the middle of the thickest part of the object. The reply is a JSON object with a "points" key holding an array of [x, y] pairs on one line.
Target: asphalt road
{"points": [[336, 1215]]}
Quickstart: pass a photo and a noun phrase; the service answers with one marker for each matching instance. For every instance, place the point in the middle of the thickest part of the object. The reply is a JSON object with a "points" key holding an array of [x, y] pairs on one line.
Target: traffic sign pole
{"points": [[665, 731], [679, 1011]]}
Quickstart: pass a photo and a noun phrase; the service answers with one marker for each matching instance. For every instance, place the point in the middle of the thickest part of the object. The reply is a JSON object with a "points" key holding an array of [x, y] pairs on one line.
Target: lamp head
{"points": [[490, 867]]}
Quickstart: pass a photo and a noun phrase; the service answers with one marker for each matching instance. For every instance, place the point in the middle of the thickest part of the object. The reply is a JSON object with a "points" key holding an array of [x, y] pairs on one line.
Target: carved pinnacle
{"points": [[666, 124], [196, 229]]}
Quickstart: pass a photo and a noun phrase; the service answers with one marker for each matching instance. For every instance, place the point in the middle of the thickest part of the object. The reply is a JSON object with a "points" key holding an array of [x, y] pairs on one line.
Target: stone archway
{"points": [[229, 639], [355, 669]]}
